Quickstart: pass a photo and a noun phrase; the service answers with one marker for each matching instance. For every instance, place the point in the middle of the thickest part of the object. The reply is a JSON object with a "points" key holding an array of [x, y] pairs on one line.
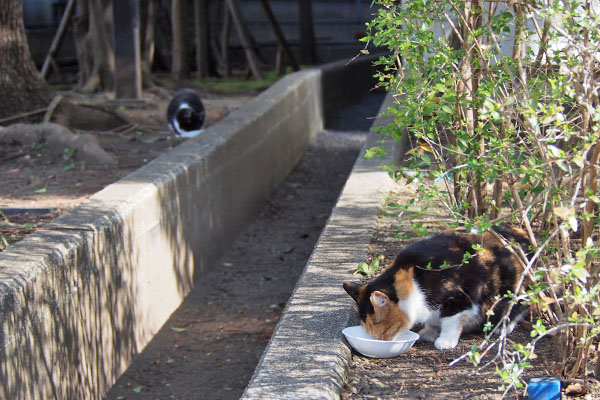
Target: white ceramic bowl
{"points": [[366, 345]]}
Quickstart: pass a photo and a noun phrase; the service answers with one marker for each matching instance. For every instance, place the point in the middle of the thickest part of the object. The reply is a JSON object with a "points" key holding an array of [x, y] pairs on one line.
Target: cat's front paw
{"points": [[446, 342], [429, 333]]}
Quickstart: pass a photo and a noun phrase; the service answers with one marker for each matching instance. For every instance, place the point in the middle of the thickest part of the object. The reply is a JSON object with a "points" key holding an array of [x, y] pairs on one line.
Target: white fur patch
{"points": [[452, 327], [429, 332], [415, 306], [512, 324]]}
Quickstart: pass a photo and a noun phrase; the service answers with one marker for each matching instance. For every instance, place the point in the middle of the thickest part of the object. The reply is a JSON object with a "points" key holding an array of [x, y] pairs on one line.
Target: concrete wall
{"points": [[78, 301]]}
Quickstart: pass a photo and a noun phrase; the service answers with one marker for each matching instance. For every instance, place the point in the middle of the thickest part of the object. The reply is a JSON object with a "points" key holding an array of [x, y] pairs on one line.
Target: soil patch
{"points": [[47, 167]]}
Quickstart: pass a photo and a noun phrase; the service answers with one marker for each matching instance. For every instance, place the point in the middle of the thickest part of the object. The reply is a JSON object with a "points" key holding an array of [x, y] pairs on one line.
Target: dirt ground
{"points": [[424, 372], [51, 176]]}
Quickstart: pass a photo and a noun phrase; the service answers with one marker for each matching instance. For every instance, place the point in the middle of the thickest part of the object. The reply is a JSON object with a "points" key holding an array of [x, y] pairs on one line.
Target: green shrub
{"points": [[500, 102]]}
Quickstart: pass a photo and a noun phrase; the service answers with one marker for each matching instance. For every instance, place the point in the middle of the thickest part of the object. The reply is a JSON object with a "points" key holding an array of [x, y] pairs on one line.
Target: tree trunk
{"points": [[92, 29], [308, 51], [283, 45], [202, 38], [126, 42], [21, 85], [163, 35], [224, 42], [147, 40], [250, 47], [181, 66]]}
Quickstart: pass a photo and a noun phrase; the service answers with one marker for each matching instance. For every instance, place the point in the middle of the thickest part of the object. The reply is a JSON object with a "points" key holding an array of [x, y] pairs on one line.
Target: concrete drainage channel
{"points": [[307, 357], [78, 301]]}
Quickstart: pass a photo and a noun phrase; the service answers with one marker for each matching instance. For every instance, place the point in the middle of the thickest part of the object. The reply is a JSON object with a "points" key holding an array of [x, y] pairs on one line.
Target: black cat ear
{"points": [[353, 289]]}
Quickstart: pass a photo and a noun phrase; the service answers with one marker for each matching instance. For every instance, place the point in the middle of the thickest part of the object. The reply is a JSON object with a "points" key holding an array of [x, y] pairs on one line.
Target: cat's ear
{"points": [[380, 301], [353, 289], [381, 305]]}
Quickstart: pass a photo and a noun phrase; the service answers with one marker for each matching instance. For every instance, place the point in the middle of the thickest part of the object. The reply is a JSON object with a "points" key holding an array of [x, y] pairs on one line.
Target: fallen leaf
{"points": [[137, 389], [288, 251], [575, 389], [563, 212], [178, 330]]}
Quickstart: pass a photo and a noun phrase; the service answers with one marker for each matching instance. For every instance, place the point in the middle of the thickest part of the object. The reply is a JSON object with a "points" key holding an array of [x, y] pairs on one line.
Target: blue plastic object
{"points": [[544, 389]]}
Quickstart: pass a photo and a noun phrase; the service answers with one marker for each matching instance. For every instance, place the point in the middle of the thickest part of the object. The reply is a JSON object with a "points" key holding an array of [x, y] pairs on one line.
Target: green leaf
{"points": [[368, 269], [178, 330], [555, 151], [362, 268], [42, 190], [578, 160], [562, 165], [377, 151], [137, 389]]}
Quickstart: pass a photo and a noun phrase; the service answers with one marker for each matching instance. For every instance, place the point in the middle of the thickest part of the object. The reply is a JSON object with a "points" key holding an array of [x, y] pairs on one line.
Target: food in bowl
{"points": [[366, 345]]}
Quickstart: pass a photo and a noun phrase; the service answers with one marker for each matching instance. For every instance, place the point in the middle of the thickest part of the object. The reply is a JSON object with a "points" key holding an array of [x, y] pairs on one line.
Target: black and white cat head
{"points": [[186, 113]]}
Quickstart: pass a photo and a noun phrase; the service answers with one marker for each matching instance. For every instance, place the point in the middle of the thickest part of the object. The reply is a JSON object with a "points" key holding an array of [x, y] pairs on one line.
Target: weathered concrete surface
{"points": [[79, 301], [307, 357]]}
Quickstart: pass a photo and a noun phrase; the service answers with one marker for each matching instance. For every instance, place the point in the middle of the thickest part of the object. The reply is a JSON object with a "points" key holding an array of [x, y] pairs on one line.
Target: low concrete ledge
{"points": [[79, 300], [307, 357]]}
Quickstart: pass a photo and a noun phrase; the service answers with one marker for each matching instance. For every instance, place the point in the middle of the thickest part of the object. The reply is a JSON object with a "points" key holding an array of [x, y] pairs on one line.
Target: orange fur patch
{"points": [[403, 283], [486, 256], [387, 320], [449, 285]]}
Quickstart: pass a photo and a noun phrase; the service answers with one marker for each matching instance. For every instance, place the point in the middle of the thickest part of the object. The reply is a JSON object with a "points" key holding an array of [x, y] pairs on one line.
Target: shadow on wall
{"points": [[80, 299], [77, 322]]}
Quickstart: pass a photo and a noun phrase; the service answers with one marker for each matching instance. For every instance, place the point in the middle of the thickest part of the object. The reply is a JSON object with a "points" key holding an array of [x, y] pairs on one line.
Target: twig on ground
{"points": [[52, 107], [22, 115]]}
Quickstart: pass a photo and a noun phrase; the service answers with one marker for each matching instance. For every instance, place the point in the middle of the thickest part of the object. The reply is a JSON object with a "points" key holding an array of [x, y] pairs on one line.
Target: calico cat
{"points": [[430, 283]]}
